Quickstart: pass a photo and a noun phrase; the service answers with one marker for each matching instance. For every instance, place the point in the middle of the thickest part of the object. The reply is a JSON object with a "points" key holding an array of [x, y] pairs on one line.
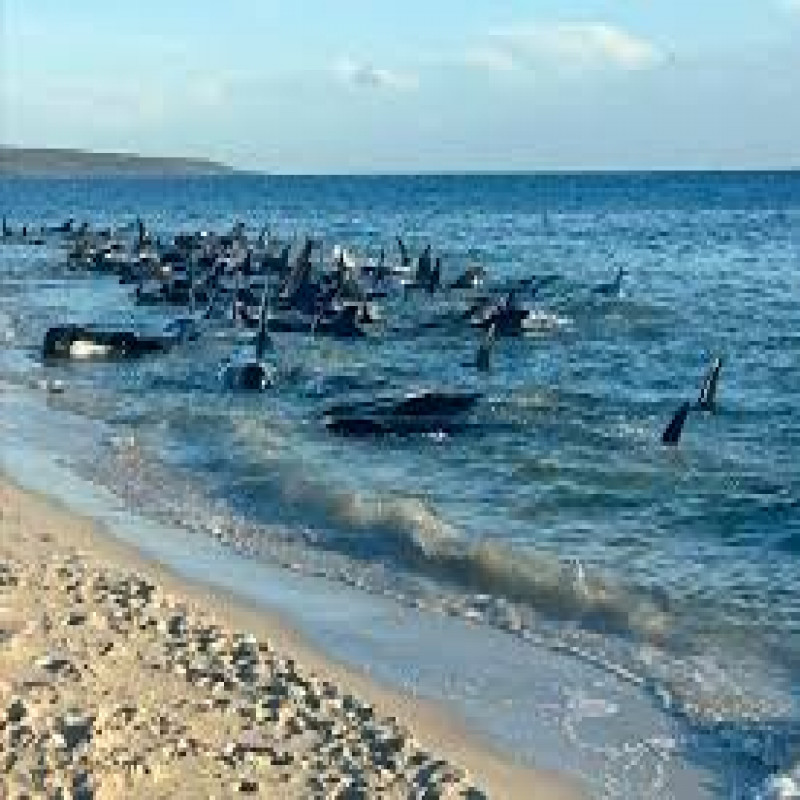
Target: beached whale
{"points": [[249, 375], [428, 412], [507, 318], [343, 323], [89, 341], [252, 373]]}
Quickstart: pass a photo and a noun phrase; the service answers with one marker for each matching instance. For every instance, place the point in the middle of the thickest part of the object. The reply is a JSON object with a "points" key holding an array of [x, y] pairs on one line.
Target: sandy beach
{"points": [[119, 680]]}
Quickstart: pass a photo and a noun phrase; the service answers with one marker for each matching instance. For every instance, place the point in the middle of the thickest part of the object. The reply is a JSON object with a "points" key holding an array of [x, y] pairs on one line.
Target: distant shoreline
{"points": [[22, 162], [63, 163]]}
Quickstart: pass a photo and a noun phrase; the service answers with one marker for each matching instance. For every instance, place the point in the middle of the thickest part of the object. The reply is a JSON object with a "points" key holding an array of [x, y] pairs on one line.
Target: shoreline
{"points": [[39, 531]]}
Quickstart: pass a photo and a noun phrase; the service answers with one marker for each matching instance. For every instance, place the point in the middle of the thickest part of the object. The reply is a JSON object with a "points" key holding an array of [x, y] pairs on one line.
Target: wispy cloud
{"points": [[566, 48], [792, 6], [365, 75]]}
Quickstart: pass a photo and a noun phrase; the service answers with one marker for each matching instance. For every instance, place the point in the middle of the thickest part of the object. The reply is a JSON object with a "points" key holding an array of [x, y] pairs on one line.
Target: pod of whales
{"points": [[217, 277]]}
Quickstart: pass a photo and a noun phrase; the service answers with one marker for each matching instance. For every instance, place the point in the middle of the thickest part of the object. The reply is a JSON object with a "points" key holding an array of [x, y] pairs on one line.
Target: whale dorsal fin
{"points": [[672, 435], [484, 357], [263, 340], [708, 392]]}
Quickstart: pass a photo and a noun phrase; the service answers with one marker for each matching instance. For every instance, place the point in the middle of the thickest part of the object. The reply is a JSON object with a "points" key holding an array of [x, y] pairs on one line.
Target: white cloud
{"points": [[793, 6], [566, 48], [360, 74]]}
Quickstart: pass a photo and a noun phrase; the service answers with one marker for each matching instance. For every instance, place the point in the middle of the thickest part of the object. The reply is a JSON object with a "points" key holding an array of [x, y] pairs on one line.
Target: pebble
{"points": [[303, 728], [16, 711], [75, 618], [76, 728], [53, 663]]}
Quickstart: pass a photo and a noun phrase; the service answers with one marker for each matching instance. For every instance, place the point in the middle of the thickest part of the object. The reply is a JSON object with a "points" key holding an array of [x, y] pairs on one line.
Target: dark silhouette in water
{"points": [[263, 340], [424, 268], [65, 227], [141, 233], [613, 288], [484, 357], [435, 277], [471, 277], [507, 317], [75, 341], [430, 412], [381, 272], [672, 435], [405, 256], [254, 375], [708, 393], [342, 323]]}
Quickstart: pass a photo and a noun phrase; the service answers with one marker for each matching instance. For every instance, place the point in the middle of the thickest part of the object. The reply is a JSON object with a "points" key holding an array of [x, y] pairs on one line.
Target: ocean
{"points": [[557, 515]]}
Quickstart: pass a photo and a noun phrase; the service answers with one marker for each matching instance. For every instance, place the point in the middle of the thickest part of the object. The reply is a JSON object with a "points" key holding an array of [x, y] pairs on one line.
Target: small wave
{"points": [[553, 587], [782, 786], [539, 321], [411, 532]]}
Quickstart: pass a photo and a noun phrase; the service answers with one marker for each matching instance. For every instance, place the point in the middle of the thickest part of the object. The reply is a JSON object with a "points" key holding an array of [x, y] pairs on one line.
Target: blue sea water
{"points": [[678, 566]]}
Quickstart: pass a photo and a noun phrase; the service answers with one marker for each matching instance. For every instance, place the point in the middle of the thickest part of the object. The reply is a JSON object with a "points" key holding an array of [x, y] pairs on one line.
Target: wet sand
{"points": [[118, 679]]}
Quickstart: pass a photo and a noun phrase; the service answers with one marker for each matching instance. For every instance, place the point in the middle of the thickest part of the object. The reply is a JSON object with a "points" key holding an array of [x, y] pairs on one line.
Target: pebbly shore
{"points": [[116, 681]]}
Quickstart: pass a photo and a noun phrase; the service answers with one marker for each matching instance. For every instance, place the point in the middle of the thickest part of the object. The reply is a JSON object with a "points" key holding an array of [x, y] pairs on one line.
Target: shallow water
{"points": [[537, 704], [678, 566]]}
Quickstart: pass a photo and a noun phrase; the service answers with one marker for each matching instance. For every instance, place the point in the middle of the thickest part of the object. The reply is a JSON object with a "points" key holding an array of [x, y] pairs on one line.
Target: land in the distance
{"points": [[47, 162]]}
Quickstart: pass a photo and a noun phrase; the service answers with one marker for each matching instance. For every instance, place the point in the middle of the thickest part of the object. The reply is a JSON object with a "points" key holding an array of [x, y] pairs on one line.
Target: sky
{"points": [[341, 86]]}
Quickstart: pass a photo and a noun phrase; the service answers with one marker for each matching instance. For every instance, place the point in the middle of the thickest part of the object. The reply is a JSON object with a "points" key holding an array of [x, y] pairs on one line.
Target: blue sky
{"points": [[368, 86]]}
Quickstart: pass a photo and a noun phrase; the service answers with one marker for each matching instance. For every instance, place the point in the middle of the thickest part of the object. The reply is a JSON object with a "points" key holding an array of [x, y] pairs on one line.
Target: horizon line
{"points": [[232, 170]]}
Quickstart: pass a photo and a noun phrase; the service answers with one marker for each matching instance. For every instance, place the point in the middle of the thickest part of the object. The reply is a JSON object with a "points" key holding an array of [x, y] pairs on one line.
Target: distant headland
{"points": [[47, 162]]}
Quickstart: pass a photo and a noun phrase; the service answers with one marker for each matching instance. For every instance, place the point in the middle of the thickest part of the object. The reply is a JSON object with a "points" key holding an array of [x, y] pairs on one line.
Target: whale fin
{"points": [[190, 275], [484, 357], [672, 434], [263, 340], [405, 256], [708, 392]]}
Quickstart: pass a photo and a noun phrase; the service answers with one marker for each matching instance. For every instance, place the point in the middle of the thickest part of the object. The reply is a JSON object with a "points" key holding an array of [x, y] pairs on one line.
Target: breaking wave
{"points": [[409, 531]]}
